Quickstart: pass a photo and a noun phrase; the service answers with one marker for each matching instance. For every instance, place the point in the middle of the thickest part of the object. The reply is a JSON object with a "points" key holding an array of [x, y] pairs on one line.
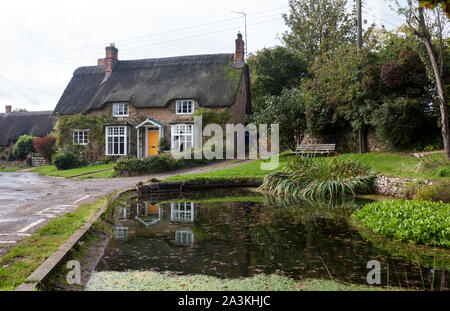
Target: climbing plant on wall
{"points": [[94, 123]]}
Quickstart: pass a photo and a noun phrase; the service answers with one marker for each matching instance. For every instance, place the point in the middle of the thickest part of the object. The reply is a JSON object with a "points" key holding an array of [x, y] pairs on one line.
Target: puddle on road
{"points": [[245, 235], [19, 187]]}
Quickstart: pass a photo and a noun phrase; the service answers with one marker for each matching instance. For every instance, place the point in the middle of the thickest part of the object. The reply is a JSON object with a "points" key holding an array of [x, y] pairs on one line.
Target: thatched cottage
{"points": [[153, 98], [14, 124]]}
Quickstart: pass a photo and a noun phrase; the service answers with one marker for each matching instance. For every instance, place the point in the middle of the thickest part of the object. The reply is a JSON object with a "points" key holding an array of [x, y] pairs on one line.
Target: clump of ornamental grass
{"points": [[320, 178]]}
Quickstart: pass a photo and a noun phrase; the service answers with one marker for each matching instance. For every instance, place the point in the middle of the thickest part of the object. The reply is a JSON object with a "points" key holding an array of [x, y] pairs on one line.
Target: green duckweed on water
{"points": [[153, 281]]}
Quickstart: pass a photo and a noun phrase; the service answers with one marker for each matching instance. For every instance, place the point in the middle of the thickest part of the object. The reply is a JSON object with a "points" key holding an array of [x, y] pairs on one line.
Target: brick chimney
{"points": [[110, 60], [239, 53], [8, 108]]}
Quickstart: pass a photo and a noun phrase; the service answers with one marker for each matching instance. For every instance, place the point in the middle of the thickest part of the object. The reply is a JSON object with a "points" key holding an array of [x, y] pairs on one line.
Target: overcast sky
{"points": [[44, 41]]}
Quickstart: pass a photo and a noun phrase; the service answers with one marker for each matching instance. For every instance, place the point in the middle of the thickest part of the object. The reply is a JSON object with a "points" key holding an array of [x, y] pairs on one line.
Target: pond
{"points": [[244, 234]]}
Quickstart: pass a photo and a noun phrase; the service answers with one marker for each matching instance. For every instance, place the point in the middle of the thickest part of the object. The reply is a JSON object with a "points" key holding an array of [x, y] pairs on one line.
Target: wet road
{"points": [[17, 189], [28, 201]]}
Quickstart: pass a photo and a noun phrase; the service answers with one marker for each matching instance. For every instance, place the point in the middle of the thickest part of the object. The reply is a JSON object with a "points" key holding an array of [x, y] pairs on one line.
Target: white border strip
{"points": [[83, 198], [37, 222]]}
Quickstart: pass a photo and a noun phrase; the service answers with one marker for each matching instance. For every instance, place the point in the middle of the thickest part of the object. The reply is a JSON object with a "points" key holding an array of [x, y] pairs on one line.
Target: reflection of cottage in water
{"points": [[182, 211], [174, 222], [125, 213], [184, 237], [122, 233], [149, 214]]}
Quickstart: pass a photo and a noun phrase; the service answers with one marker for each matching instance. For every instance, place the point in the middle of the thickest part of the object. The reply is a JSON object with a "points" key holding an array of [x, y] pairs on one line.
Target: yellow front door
{"points": [[153, 141], [153, 209]]}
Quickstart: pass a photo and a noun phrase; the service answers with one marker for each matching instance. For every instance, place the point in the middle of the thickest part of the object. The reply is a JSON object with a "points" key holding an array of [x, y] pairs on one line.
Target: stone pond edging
{"points": [[47, 267], [161, 188], [388, 186], [396, 186]]}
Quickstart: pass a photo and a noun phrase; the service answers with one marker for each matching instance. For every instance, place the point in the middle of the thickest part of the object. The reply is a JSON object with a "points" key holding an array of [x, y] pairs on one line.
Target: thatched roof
{"points": [[15, 124], [213, 80]]}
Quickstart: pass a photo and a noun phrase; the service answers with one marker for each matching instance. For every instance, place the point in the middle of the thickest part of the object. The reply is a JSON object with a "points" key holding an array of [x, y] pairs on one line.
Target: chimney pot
{"points": [[239, 52], [110, 60], [8, 108]]}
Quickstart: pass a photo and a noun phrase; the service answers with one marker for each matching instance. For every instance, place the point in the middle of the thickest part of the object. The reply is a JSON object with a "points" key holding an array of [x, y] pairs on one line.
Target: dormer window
{"points": [[120, 110], [184, 107]]}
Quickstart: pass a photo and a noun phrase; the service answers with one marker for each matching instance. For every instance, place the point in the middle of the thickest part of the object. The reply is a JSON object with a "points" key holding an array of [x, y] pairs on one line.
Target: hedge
{"points": [[64, 160], [154, 164]]}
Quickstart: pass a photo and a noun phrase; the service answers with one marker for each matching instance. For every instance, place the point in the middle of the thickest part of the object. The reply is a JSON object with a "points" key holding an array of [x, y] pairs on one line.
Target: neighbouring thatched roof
{"points": [[15, 124], [213, 80]]}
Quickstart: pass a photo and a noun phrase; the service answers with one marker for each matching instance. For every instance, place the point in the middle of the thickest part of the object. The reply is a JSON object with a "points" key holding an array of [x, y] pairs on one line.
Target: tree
{"points": [[406, 76], [402, 122], [288, 111], [431, 4], [271, 71], [23, 147], [318, 26], [343, 87], [45, 147], [426, 26]]}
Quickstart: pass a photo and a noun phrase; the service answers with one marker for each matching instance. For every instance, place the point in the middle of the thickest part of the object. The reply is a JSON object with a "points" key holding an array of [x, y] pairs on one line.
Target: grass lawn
{"points": [[402, 165], [51, 170], [12, 168], [247, 170], [30, 253], [153, 281], [386, 163]]}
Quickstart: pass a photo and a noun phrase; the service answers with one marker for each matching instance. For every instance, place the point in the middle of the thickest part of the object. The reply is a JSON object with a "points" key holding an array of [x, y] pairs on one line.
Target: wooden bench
{"points": [[316, 148]]}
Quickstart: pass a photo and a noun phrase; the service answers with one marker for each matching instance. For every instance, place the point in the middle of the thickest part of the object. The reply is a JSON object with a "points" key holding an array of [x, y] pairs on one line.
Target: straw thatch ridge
{"points": [[15, 124], [213, 80]]}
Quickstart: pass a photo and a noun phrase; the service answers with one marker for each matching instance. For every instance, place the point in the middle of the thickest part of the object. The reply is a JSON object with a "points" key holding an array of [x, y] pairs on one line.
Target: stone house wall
{"points": [[167, 116], [346, 141]]}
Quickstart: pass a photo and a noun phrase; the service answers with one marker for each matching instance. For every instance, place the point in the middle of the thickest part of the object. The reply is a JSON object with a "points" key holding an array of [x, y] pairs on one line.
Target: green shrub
{"points": [[163, 145], [433, 147], [153, 164], [23, 147], [417, 222], [320, 178], [443, 172], [65, 159], [425, 193], [402, 122], [420, 191], [105, 160]]}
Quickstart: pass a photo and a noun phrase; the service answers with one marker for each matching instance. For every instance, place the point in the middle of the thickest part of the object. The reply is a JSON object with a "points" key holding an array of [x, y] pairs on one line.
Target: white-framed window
{"points": [[184, 107], [184, 237], [182, 212], [117, 140], [125, 212], [182, 136], [80, 137], [120, 110], [122, 233]]}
